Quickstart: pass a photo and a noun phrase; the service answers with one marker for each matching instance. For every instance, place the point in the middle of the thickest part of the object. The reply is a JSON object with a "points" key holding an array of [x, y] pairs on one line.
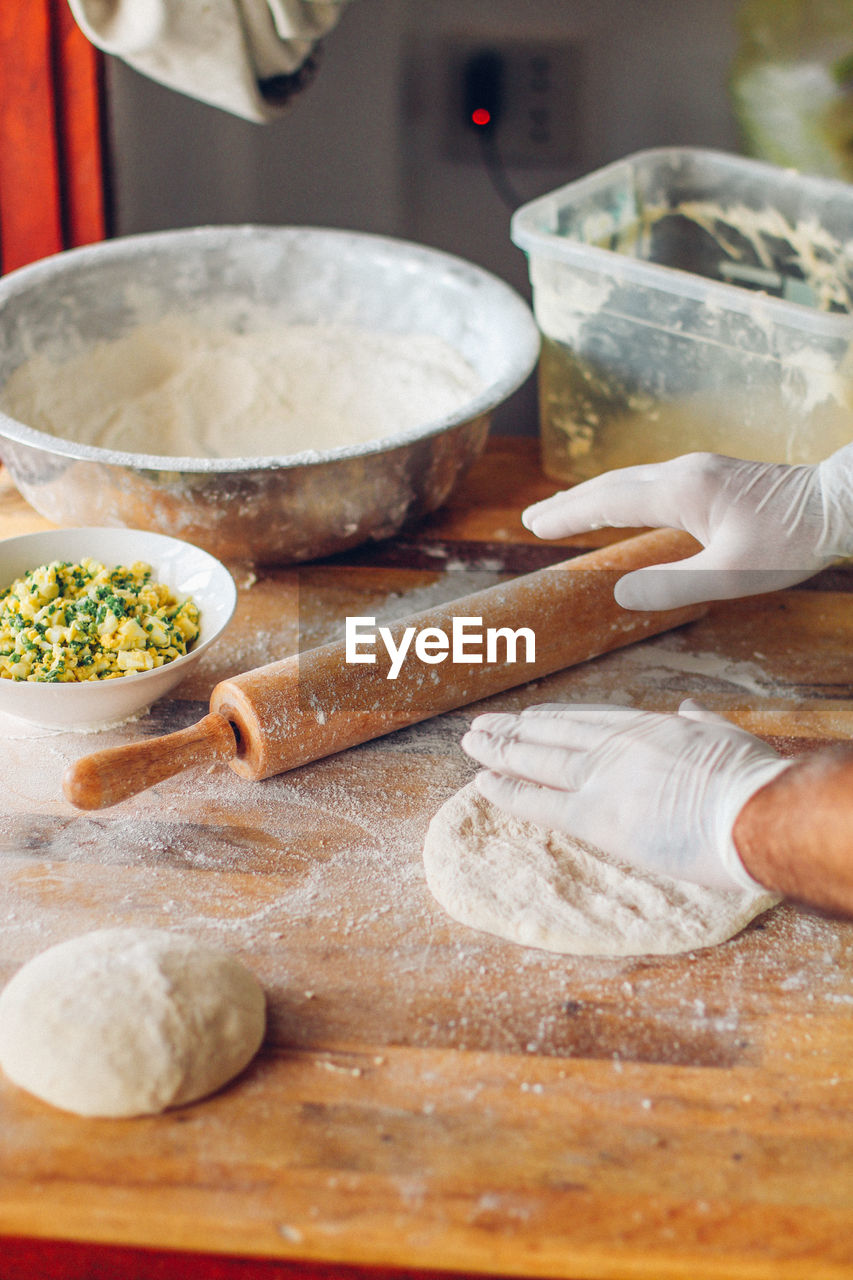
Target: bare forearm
{"points": [[796, 834]]}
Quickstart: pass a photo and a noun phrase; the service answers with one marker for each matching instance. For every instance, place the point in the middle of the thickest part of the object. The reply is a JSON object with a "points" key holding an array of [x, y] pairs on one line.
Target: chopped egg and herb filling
{"points": [[67, 622]]}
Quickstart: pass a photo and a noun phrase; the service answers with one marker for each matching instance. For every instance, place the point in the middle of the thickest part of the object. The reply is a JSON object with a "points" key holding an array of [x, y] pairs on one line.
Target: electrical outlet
{"points": [[533, 92]]}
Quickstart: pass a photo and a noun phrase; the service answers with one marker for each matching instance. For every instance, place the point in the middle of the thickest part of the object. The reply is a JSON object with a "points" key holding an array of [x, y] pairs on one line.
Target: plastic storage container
{"points": [[690, 299]]}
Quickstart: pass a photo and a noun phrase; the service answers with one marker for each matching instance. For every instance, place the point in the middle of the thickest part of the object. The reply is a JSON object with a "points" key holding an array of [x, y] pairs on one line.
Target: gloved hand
{"points": [[763, 526], [660, 792]]}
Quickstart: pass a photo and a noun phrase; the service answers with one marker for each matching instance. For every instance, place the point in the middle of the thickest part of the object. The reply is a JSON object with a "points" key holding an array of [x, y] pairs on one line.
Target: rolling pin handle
{"points": [[116, 773]]}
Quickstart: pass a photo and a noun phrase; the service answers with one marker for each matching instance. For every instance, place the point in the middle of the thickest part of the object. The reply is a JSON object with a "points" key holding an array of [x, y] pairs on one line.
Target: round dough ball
{"points": [[126, 1022], [540, 888]]}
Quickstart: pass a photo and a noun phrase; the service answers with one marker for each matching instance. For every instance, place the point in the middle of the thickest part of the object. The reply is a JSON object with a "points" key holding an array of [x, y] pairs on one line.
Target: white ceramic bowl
{"points": [[96, 704]]}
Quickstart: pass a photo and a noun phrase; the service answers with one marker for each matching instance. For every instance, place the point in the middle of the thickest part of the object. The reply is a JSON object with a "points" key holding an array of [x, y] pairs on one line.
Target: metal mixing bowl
{"points": [[272, 509]]}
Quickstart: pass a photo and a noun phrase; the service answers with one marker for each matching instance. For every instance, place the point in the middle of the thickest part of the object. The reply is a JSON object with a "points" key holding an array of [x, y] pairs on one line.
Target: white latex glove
{"points": [[660, 792], [763, 526]]}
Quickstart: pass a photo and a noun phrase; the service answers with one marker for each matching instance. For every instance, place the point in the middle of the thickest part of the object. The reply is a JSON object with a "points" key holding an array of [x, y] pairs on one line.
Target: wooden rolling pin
{"points": [[314, 704]]}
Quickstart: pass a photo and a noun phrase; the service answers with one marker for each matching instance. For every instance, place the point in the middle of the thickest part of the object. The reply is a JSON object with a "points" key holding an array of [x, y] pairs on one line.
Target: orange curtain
{"points": [[52, 155]]}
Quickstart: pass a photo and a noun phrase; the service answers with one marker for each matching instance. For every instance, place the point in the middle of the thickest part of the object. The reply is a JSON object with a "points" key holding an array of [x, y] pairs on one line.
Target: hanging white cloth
{"points": [[244, 56]]}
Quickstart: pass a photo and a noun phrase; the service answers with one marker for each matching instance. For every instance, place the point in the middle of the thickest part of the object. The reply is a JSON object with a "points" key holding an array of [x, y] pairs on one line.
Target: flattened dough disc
{"points": [[540, 888]]}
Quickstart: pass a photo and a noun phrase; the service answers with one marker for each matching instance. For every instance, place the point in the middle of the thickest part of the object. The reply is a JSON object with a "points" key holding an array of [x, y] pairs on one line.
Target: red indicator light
{"points": [[481, 116]]}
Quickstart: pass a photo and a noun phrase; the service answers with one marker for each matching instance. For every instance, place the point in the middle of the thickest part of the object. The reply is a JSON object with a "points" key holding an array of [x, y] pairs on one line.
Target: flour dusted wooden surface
{"points": [[429, 1096]]}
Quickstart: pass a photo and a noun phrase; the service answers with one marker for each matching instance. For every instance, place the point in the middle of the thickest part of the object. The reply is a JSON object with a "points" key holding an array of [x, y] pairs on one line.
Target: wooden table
{"points": [[431, 1097]]}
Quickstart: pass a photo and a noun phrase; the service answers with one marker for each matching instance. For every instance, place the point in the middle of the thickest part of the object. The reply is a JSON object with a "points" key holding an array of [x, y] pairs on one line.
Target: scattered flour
{"points": [[315, 879], [178, 389], [744, 675]]}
